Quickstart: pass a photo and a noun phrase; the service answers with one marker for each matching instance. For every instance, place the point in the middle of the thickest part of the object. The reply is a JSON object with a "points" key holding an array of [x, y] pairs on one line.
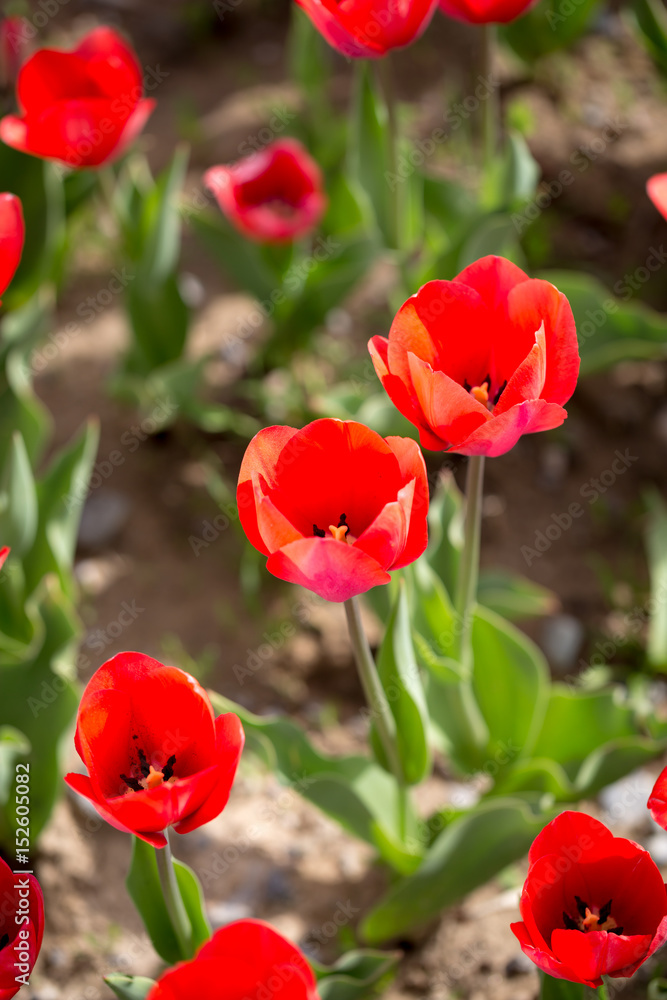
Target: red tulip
{"points": [[21, 928], [4, 552], [250, 959], [656, 187], [12, 235], [476, 362], [82, 107], [485, 11], [272, 196], [368, 29], [592, 905], [155, 754], [334, 506]]}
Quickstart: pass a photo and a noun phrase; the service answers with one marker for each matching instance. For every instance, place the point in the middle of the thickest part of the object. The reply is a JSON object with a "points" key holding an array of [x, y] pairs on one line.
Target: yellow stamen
{"points": [[481, 393], [340, 532], [591, 922], [154, 778]]}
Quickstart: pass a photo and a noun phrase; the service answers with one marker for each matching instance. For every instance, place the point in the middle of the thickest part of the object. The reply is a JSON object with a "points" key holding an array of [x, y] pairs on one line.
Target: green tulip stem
{"points": [[468, 575], [376, 699], [603, 992], [173, 899], [490, 104]]}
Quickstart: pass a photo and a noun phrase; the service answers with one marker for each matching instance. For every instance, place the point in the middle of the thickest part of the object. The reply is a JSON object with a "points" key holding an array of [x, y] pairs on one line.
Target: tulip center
{"points": [[144, 776], [281, 207], [591, 918], [482, 393], [339, 531]]}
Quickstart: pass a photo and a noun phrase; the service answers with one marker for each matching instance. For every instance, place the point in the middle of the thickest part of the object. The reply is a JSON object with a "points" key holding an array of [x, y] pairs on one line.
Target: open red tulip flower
{"points": [[12, 236], [368, 29], [334, 506], [155, 754], [485, 11], [476, 362], [246, 960], [274, 195], [656, 188], [21, 928], [82, 108], [593, 904]]}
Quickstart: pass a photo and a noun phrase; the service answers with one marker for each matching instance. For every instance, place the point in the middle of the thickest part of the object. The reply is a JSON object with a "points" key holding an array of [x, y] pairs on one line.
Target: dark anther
{"points": [[500, 392], [132, 783], [605, 911], [168, 769], [615, 930], [4, 941], [570, 924], [342, 523], [135, 737], [487, 380], [466, 385], [581, 906], [144, 766], [318, 531]]}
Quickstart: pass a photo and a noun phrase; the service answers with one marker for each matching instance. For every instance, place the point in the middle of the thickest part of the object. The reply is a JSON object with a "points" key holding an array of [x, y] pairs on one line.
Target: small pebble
{"points": [[519, 965], [105, 514], [562, 637]]}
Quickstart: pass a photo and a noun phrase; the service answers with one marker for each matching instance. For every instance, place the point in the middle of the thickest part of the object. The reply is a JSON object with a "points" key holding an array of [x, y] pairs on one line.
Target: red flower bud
{"points": [[592, 905], [334, 506], [273, 196], [250, 958], [21, 928], [155, 754], [82, 107], [366, 29], [476, 362]]}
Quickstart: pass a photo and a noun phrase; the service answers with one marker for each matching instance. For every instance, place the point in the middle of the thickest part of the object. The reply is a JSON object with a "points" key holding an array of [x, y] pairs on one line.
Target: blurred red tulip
{"points": [[155, 754], [273, 196], [334, 506], [82, 107], [485, 11], [592, 905], [12, 235], [4, 552], [368, 29], [476, 362], [248, 960], [656, 187], [21, 929]]}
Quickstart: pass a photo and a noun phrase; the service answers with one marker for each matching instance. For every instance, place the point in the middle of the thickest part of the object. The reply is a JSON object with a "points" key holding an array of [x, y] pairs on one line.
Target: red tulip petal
{"points": [[202, 977], [50, 77], [268, 949], [452, 412], [502, 432], [111, 64], [572, 835], [81, 783], [536, 302], [412, 465], [656, 188], [12, 235], [229, 745], [4, 552], [493, 278], [274, 528], [542, 958], [261, 459], [334, 570], [384, 540], [366, 31], [596, 953], [403, 399], [527, 381], [485, 11]]}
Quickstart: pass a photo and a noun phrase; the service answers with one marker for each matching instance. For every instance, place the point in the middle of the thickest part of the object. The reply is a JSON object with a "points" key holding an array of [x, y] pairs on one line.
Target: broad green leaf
{"points": [[548, 26], [511, 686], [161, 224], [559, 989], [143, 885], [13, 745], [522, 171], [368, 147], [129, 987], [445, 531], [493, 234], [239, 257], [470, 851], [402, 683], [538, 774], [18, 499], [613, 760], [160, 320], [578, 722], [357, 975], [610, 329], [513, 596], [355, 791], [651, 19], [656, 548], [308, 55]]}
